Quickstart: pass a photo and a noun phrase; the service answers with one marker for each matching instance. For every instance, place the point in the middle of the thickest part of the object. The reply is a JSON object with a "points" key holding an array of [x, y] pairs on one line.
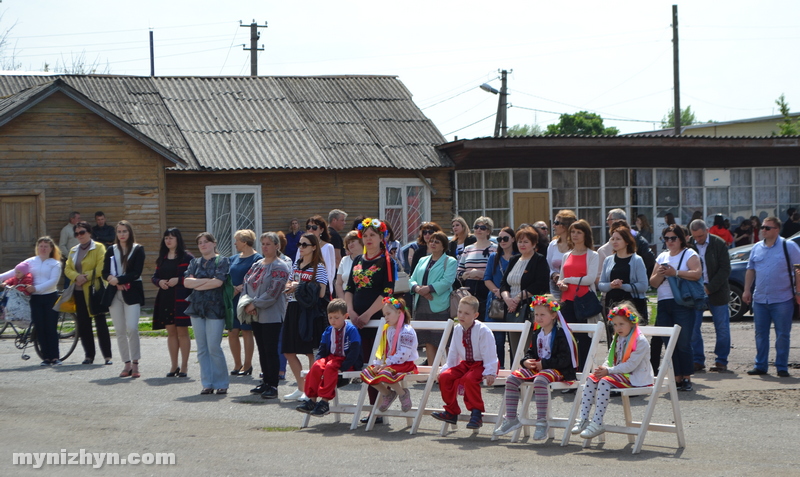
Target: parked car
{"points": [[739, 257]]}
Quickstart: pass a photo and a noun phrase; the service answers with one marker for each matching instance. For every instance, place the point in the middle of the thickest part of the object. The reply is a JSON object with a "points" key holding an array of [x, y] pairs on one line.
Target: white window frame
{"points": [[233, 190], [383, 184]]}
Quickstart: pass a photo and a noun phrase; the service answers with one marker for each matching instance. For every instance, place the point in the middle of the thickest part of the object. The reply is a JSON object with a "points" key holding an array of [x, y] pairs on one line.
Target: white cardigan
{"points": [[484, 348], [638, 364], [592, 270]]}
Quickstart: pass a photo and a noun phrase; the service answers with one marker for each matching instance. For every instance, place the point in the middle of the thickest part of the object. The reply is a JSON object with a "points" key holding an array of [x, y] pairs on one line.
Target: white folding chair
{"points": [[596, 331], [493, 418], [664, 383], [337, 408], [424, 373]]}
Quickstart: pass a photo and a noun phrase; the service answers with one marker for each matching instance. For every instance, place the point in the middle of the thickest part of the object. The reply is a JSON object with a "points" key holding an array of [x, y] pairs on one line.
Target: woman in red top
{"points": [[720, 231], [580, 269]]}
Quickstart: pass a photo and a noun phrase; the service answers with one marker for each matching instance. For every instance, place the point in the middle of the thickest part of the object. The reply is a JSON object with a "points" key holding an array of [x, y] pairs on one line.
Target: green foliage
{"points": [[787, 126], [687, 118], [581, 123], [519, 130]]}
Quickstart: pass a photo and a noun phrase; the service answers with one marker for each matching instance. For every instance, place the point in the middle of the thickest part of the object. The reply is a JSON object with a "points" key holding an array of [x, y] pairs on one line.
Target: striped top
{"points": [[474, 257]]}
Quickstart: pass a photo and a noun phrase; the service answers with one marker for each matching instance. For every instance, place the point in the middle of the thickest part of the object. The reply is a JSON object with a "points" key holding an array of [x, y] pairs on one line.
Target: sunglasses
{"points": [[558, 222], [427, 232], [481, 227], [304, 244], [312, 227], [503, 239], [767, 227], [670, 238], [80, 233]]}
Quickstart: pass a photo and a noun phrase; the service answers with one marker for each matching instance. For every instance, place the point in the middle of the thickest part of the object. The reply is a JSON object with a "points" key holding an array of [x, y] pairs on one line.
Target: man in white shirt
{"points": [[67, 239]]}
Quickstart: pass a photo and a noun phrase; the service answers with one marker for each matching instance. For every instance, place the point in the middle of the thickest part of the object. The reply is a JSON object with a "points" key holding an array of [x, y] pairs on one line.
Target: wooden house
{"points": [[217, 154]]}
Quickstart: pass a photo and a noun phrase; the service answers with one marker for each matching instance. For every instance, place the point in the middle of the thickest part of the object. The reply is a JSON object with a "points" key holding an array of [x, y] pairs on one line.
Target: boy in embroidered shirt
{"points": [[339, 349], [472, 358], [627, 366]]}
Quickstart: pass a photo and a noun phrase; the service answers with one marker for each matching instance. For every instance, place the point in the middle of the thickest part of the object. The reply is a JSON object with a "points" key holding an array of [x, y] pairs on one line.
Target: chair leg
{"points": [[573, 414], [359, 405], [626, 409], [337, 417]]}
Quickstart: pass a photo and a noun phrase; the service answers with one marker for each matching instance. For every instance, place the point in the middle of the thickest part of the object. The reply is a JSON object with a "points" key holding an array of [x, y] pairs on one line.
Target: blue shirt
{"points": [[291, 243], [773, 282], [495, 274]]}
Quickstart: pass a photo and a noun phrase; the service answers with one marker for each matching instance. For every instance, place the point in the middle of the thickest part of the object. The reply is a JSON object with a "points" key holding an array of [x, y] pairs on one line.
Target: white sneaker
{"points": [[540, 433], [593, 430], [303, 398], [296, 394], [580, 426], [507, 426]]}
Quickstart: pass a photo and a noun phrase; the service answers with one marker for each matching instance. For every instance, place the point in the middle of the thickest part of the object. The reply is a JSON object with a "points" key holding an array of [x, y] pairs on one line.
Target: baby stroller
{"points": [[15, 307]]}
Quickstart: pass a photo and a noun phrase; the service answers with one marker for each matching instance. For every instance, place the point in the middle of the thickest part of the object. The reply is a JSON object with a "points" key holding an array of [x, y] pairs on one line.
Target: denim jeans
{"points": [[670, 313], [781, 315], [213, 368], [45, 319], [722, 327]]}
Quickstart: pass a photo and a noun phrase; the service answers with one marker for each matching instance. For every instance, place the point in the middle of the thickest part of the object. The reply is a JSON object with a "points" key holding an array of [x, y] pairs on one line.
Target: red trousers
{"points": [[323, 376], [468, 375]]}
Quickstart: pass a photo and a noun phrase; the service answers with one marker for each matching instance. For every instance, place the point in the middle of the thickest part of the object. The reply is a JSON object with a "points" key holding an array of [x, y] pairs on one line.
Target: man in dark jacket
{"points": [[716, 270]]}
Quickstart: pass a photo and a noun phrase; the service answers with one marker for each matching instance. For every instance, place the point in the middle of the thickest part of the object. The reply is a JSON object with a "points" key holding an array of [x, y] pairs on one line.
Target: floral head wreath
{"points": [[624, 312], [541, 300], [390, 300], [375, 224]]}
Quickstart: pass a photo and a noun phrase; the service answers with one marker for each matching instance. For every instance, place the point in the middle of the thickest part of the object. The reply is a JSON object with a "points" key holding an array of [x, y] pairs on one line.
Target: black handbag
{"points": [[96, 294], [588, 305]]}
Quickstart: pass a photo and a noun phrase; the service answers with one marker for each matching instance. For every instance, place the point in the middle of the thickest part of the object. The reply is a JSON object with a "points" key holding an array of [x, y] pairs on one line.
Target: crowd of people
{"points": [[288, 295]]}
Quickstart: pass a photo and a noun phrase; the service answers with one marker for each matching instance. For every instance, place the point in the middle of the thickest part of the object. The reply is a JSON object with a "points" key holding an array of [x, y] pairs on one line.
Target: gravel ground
{"points": [[729, 419]]}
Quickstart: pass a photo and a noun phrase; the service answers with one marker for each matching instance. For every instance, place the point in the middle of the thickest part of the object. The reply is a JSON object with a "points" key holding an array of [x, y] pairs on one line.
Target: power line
{"points": [[229, 50], [468, 125], [443, 93], [161, 42], [604, 118], [116, 31], [121, 49], [448, 99]]}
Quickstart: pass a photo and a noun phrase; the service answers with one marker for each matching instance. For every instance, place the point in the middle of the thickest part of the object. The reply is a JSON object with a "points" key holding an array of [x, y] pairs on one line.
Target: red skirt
{"points": [[393, 374]]}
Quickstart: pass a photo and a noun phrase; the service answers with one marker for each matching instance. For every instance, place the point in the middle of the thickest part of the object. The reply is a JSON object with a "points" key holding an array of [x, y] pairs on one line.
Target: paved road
{"points": [[735, 425]]}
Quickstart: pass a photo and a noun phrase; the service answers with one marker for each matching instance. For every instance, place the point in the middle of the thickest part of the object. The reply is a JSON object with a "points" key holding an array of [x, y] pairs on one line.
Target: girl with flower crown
{"points": [[627, 366], [552, 357], [371, 280], [395, 357]]}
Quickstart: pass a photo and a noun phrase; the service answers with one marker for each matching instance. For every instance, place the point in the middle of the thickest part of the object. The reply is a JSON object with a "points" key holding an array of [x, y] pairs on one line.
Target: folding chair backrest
{"points": [[670, 333], [446, 327], [505, 327], [598, 332]]}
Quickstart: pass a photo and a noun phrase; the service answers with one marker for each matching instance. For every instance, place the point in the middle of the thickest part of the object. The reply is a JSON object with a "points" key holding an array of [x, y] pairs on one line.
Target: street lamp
{"points": [[501, 121]]}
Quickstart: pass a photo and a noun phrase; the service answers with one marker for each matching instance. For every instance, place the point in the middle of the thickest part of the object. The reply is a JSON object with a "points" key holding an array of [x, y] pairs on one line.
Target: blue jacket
{"points": [[352, 347], [638, 277], [440, 277]]}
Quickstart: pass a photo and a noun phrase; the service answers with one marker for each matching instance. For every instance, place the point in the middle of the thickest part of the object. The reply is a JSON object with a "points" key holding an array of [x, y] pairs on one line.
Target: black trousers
{"points": [[45, 319], [85, 328], [583, 339], [267, 336]]}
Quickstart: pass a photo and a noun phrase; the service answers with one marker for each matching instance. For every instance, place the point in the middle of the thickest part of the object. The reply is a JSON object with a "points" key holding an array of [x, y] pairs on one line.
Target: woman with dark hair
{"points": [[85, 268], [756, 223], [304, 323], [493, 277], [431, 284], [319, 227], [558, 247], [644, 229], [623, 276], [122, 268], [245, 241], [352, 247], [743, 235], [265, 284], [526, 276], [678, 261], [371, 280], [720, 230], [579, 272], [206, 276], [45, 267], [169, 311], [426, 231], [461, 237]]}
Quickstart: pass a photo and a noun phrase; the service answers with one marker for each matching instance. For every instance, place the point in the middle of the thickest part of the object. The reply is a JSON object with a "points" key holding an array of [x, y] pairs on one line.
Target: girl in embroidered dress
{"points": [[552, 356], [395, 358], [627, 366]]}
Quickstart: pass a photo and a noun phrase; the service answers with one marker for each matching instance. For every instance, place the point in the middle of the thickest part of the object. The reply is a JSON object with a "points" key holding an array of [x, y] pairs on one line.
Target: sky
{"points": [[612, 58]]}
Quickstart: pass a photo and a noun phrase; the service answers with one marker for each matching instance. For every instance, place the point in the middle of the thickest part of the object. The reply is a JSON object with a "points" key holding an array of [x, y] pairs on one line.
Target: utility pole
{"points": [[254, 49], [152, 57], [676, 112], [501, 121]]}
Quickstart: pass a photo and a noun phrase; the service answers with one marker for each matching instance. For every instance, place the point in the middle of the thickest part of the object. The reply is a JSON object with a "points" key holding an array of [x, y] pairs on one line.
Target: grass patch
{"points": [[280, 429]]}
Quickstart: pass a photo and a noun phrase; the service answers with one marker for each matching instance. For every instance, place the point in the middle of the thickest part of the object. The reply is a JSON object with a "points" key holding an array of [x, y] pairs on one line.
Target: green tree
{"points": [[524, 130], [581, 123], [687, 118], [787, 126]]}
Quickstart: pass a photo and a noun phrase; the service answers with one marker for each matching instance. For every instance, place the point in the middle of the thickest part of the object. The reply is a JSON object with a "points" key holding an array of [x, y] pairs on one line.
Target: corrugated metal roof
{"points": [[251, 123]]}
